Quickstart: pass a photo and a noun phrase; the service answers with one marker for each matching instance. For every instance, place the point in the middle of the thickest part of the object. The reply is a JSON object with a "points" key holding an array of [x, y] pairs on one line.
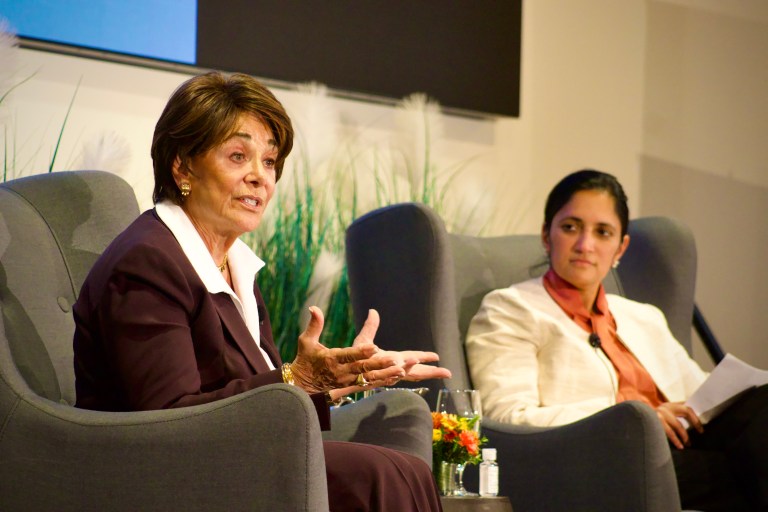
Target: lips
{"points": [[251, 201]]}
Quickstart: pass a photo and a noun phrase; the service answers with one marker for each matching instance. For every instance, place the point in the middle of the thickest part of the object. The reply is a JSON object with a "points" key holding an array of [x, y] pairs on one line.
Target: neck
{"points": [[216, 244], [589, 298]]}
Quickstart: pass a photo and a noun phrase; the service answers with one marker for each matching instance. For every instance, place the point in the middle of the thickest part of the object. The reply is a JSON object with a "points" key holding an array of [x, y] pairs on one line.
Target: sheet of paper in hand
{"points": [[728, 381]]}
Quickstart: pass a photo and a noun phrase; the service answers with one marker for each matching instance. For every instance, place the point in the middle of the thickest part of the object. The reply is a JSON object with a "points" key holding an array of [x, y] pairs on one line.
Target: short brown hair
{"points": [[202, 113]]}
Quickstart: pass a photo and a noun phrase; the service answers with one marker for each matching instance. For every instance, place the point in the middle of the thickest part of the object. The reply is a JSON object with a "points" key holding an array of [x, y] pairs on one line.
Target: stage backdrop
{"points": [[465, 54]]}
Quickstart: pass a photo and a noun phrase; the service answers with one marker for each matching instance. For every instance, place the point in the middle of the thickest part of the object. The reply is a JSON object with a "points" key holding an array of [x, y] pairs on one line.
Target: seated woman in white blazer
{"points": [[556, 349]]}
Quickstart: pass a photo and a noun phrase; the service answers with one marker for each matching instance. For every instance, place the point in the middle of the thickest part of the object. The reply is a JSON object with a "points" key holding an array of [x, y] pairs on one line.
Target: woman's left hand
{"points": [[411, 361], [669, 414]]}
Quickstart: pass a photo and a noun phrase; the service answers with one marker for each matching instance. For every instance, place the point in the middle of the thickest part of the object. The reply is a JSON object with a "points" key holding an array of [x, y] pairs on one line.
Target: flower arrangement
{"points": [[455, 440]]}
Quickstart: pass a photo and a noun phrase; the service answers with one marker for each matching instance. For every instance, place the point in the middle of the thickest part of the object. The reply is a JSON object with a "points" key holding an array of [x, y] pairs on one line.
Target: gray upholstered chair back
{"points": [[432, 274], [53, 227]]}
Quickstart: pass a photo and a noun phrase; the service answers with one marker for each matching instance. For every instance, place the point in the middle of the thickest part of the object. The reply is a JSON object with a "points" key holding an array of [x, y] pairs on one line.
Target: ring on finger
{"points": [[360, 381]]}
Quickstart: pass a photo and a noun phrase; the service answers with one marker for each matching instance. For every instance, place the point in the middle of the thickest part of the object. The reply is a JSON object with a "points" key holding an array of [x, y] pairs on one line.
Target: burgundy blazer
{"points": [[149, 335]]}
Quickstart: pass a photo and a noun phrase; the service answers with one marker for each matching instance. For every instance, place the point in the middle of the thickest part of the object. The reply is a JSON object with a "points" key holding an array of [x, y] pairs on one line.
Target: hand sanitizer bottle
{"points": [[489, 473]]}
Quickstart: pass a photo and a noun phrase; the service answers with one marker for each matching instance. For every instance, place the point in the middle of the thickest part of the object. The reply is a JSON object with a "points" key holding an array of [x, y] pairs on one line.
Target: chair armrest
{"points": [[394, 419], [261, 450], [555, 469]]}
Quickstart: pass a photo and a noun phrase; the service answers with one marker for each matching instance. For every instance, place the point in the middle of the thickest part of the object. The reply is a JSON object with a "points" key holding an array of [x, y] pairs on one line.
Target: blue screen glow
{"points": [[158, 29]]}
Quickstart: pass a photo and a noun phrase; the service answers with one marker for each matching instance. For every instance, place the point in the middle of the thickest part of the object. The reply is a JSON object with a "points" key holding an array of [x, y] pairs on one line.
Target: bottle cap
{"points": [[489, 453]]}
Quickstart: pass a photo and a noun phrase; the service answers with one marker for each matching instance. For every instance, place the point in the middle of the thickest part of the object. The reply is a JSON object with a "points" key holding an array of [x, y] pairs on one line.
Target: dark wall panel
{"points": [[465, 54]]}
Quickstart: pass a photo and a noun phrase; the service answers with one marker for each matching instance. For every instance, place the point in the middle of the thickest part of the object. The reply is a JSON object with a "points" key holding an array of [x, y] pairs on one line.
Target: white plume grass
{"points": [[419, 125], [107, 151], [316, 121], [322, 284]]}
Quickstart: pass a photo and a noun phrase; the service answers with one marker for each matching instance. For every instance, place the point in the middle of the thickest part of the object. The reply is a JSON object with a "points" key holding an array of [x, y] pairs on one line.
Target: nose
{"points": [[258, 172], [585, 242]]}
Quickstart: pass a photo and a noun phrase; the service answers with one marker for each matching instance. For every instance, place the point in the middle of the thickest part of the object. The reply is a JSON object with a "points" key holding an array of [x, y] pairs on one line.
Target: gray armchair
{"points": [[428, 284], [261, 450]]}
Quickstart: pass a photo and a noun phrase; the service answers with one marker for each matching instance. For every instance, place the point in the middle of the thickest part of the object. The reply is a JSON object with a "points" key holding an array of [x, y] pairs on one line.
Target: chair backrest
{"points": [[427, 284], [53, 227]]}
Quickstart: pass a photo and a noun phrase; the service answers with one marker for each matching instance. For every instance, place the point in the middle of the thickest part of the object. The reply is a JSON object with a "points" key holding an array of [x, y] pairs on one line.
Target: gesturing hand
{"points": [[409, 360], [318, 368], [669, 414]]}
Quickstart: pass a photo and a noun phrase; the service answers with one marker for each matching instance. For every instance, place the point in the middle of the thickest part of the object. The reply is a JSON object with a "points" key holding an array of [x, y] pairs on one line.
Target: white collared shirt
{"points": [[243, 266]]}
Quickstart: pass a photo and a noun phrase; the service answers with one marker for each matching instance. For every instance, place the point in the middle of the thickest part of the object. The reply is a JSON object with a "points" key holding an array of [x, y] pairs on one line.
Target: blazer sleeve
{"points": [[265, 326]]}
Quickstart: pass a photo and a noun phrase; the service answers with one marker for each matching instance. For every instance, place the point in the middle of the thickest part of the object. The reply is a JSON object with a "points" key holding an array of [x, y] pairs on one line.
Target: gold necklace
{"points": [[223, 265]]}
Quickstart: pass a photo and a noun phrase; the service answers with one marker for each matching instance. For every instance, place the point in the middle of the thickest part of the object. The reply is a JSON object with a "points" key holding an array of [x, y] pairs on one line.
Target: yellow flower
{"points": [[437, 435]]}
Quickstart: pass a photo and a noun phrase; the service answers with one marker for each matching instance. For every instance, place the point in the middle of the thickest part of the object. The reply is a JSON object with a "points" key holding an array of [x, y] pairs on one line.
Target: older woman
{"points": [[171, 315], [576, 350]]}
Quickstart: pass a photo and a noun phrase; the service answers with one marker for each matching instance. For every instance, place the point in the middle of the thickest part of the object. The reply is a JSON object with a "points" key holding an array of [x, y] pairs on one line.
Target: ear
{"points": [[180, 171], [622, 248], [545, 238]]}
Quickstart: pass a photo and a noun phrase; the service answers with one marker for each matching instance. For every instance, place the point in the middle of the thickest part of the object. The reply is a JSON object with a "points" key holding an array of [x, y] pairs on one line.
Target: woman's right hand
{"points": [[318, 368], [669, 414]]}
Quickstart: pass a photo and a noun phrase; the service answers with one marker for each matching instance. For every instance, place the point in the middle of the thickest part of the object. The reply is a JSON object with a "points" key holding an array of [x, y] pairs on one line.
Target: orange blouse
{"points": [[635, 383]]}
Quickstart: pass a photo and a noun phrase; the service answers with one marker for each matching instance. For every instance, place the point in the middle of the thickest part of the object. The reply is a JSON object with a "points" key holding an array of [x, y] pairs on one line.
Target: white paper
{"points": [[730, 378]]}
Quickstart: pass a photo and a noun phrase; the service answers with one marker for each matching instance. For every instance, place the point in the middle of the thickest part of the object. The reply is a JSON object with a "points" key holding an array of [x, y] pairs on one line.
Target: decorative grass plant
{"points": [[302, 238]]}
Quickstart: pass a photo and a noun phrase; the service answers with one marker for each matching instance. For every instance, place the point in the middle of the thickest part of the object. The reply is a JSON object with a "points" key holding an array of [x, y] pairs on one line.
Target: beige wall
{"points": [[658, 92], [705, 157]]}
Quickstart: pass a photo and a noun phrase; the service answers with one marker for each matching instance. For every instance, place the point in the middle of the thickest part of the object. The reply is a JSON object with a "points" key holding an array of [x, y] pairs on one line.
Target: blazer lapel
{"points": [[270, 348], [240, 333]]}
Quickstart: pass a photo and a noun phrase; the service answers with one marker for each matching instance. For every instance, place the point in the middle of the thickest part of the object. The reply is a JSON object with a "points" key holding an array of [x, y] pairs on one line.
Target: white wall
{"points": [[614, 85]]}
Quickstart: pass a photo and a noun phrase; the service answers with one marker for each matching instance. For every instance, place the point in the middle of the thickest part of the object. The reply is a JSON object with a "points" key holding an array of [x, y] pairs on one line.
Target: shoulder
{"points": [[524, 304], [529, 294], [640, 311], [145, 251], [146, 239]]}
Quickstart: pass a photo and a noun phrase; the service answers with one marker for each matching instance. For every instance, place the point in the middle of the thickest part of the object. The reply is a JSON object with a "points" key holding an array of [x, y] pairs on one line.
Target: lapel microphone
{"points": [[594, 340]]}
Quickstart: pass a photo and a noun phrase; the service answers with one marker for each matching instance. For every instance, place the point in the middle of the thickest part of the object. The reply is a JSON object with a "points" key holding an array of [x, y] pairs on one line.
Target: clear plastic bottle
{"points": [[489, 473]]}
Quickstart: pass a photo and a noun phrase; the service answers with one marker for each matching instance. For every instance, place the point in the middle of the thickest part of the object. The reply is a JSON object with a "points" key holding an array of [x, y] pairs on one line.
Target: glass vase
{"points": [[450, 479], [445, 476]]}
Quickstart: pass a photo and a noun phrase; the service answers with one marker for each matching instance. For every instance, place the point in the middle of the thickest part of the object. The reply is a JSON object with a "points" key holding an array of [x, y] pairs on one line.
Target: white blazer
{"points": [[534, 365]]}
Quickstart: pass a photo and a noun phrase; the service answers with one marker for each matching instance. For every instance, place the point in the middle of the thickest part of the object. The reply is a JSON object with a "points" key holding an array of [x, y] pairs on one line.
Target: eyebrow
{"points": [[581, 221], [247, 136]]}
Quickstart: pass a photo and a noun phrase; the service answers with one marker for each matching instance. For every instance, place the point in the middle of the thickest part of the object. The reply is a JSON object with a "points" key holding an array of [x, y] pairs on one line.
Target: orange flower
{"points": [[436, 416], [468, 439]]}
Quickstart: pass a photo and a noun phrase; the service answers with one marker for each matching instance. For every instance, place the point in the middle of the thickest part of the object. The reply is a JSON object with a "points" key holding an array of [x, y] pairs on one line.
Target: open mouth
{"points": [[253, 202]]}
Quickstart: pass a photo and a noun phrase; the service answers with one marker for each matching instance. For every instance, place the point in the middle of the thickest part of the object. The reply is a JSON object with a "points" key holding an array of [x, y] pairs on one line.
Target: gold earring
{"points": [[185, 189], [615, 264]]}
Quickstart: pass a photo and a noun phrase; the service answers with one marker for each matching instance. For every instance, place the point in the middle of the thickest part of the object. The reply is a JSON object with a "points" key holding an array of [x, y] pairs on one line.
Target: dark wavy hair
{"points": [[202, 113], [587, 179]]}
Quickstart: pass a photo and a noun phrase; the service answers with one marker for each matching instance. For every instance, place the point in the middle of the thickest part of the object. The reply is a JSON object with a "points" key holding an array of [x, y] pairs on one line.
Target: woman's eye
{"points": [[269, 163], [604, 233], [238, 157], [568, 227]]}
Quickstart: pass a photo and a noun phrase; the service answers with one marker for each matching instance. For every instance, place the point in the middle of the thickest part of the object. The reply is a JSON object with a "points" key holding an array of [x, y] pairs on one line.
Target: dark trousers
{"points": [[726, 467], [368, 478]]}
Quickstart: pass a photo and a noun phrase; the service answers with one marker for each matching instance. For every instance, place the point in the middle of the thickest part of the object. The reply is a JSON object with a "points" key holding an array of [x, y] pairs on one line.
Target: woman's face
{"points": [[585, 240], [231, 184]]}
